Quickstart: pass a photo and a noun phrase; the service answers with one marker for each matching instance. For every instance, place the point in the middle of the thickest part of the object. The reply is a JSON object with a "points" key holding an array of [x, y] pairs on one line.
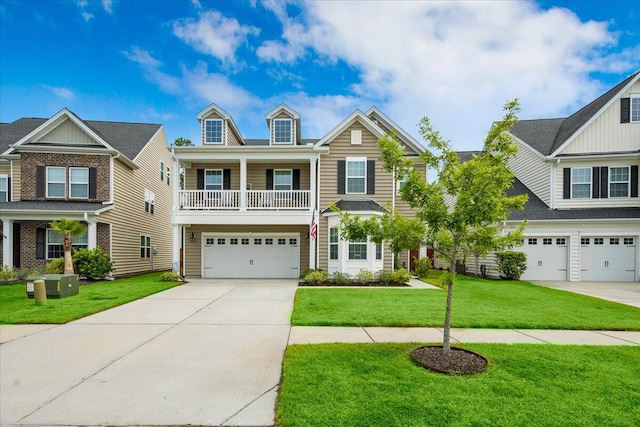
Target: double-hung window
{"points": [[79, 183], [333, 243], [4, 188], [282, 183], [56, 181], [356, 176], [635, 109], [213, 131], [580, 183], [213, 180], [619, 181], [149, 201], [145, 246], [161, 171], [282, 131], [55, 239], [357, 250]]}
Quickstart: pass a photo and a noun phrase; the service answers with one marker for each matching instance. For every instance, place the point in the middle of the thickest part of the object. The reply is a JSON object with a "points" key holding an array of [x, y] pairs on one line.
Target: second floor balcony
{"points": [[249, 200]]}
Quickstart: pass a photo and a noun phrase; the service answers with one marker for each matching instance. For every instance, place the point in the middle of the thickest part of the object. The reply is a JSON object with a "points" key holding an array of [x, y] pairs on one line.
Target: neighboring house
{"points": [[114, 177], [248, 204], [581, 175]]}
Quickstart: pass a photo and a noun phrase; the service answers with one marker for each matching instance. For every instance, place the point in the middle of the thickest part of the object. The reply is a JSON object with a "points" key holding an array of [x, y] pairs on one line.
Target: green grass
{"points": [[526, 385], [477, 303], [15, 308]]}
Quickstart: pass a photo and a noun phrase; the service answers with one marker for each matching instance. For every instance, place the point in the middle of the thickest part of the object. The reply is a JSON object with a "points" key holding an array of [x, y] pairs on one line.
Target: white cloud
{"points": [[151, 68], [61, 92], [214, 34], [107, 5], [196, 4], [87, 16]]}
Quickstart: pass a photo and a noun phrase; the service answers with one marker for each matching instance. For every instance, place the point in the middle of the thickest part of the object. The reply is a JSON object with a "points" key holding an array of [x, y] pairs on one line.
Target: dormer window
{"points": [[282, 131], [213, 131]]}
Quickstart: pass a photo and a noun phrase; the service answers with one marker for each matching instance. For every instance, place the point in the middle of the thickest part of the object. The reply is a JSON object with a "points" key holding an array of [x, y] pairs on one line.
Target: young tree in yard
{"points": [[182, 142], [464, 207], [68, 227]]}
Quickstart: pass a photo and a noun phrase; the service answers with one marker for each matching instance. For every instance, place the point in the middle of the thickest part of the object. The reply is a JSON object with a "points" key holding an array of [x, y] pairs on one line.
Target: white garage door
{"points": [[251, 255], [604, 259], [546, 258]]}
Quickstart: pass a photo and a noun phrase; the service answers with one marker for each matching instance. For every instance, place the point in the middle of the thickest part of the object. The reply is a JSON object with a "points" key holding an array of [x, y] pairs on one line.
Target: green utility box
{"points": [[57, 285]]}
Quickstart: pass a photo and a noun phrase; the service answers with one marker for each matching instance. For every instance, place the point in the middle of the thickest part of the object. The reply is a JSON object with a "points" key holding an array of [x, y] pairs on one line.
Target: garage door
{"points": [[604, 259], [251, 255], [546, 258]]}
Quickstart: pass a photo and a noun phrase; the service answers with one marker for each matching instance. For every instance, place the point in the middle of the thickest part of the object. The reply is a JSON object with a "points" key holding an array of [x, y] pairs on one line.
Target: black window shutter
{"points": [[604, 182], [625, 110], [40, 243], [634, 181], [595, 182], [200, 179], [296, 179], [269, 179], [342, 166], [226, 179], [566, 183], [371, 176], [93, 182], [9, 189], [40, 181]]}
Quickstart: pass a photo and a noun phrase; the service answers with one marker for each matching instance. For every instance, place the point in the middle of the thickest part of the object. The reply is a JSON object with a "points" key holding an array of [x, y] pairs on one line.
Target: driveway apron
{"points": [[205, 353]]}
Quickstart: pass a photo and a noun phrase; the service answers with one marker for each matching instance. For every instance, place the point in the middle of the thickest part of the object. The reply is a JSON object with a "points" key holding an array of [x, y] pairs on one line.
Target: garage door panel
{"points": [[546, 258], [607, 258]]}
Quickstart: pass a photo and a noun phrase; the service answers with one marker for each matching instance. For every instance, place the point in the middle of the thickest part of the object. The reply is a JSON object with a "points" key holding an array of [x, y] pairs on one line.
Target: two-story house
{"points": [[261, 207], [581, 175], [114, 177]]}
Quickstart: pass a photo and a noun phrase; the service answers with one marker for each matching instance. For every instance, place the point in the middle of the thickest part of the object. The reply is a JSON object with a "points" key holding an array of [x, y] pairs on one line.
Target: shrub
{"points": [[92, 264], [365, 276], [307, 271], [422, 266], [169, 276], [56, 266], [7, 274], [340, 278], [400, 276], [511, 264], [316, 277], [25, 272], [384, 276]]}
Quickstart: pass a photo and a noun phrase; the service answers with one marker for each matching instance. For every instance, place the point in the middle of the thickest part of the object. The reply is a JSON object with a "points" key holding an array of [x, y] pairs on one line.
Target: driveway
{"points": [[623, 292], [206, 353]]}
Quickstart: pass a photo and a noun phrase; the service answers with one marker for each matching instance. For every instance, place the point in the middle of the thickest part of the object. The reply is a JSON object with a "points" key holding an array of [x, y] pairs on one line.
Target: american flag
{"points": [[314, 227]]}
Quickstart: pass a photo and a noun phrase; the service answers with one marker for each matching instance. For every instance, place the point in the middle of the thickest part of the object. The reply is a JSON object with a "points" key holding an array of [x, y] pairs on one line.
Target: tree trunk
{"points": [[446, 342], [68, 263]]}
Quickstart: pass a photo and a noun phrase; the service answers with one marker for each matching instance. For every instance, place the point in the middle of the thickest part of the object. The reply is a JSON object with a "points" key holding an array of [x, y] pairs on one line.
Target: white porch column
{"points": [[243, 184], [7, 243], [176, 182], [312, 247], [312, 184], [175, 256], [371, 255], [92, 235]]}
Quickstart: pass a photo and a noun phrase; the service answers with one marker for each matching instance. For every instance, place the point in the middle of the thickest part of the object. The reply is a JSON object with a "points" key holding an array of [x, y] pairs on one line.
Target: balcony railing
{"points": [[254, 200]]}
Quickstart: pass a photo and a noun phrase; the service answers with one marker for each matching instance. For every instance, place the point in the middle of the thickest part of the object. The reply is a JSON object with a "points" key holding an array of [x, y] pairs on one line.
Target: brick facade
{"points": [[30, 161]]}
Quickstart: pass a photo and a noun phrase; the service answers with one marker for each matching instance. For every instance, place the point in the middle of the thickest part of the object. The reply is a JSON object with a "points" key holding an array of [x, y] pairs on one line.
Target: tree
{"points": [[68, 227], [182, 142], [465, 205]]}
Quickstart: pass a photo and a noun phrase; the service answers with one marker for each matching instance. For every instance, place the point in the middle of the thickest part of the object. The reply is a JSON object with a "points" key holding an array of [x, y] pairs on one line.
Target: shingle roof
{"points": [[12, 132], [265, 142], [52, 206], [465, 156], [539, 134], [357, 205]]}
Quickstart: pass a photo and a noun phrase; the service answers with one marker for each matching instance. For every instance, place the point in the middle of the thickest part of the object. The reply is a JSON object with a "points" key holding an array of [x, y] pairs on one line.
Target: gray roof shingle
{"points": [[357, 205], [52, 206]]}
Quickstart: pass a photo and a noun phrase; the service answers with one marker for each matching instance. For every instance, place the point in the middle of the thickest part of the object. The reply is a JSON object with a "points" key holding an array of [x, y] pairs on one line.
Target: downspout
{"points": [[553, 172]]}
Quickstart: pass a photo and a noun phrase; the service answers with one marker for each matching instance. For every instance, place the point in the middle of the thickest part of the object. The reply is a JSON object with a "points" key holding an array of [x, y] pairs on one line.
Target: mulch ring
{"points": [[460, 362]]}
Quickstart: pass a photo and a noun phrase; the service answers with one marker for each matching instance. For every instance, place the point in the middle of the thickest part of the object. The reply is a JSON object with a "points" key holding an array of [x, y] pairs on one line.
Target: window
{"points": [[356, 176], [268, 241], [213, 182], [333, 243], [244, 241], [614, 241], [532, 241], [282, 131], [357, 250], [378, 252], [580, 183], [561, 241], [4, 188], [210, 241], [619, 181], [598, 241], [282, 241], [168, 176], [161, 171], [293, 242], [79, 183], [56, 181], [221, 241], [584, 241], [282, 182], [213, 131], [233, 241], [145, 246], [149, 201], [635, 109], [628, 241], [257, 241], [547, 241], [54, 243]]}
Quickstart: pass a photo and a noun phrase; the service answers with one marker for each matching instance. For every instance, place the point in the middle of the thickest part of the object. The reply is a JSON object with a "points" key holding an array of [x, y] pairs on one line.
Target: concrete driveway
{"points": [[623, 292], [206, 353]]}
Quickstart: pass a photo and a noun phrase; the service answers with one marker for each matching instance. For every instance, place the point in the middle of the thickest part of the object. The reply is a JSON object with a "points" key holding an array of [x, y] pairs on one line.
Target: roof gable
{"points": [[376, 115], [213, 108], [280, 108], [356, 116]]}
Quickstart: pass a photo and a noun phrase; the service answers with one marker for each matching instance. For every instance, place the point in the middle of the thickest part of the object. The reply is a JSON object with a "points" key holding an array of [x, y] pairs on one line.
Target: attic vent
{"points": [[356, 137]]}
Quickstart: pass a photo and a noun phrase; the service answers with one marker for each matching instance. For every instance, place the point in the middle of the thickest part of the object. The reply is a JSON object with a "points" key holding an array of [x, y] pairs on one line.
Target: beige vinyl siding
{"points": [[68, 132], [531, 169], [256, 174], [232, 138], [592, 203], [191, 174], [15, 175], [128, 218], [402, 206], [606, 134], [193, 250]]}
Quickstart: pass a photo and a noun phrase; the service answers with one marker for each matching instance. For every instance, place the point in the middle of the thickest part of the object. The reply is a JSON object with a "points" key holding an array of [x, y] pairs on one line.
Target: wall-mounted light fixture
{"points": [[193, 237]]}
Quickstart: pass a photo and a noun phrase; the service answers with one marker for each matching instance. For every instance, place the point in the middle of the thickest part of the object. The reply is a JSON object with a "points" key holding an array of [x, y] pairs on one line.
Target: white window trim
{"points": [[290, 141], [56, 182], [289, 172], [336, 244], [366, 245], [5, 178], [204, 130], [631, 109], [217, 171], [71, 169], [161, 170], [628, 181], [149, 201], [73, 243], [168, 176], [147, 246], [346, 174], [381, 252], [590, 183]]}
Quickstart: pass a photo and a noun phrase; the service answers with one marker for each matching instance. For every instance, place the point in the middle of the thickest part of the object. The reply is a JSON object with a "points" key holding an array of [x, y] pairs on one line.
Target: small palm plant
{"points": [[68, 227]]}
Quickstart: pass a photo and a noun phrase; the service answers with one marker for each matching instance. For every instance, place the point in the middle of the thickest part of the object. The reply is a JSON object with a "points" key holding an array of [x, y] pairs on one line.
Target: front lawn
{"points": [[477, 303], [525, 385], [16, 308]]}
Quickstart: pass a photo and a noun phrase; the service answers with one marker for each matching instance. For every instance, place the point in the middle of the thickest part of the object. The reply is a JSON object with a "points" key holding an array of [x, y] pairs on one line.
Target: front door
{"points": [[414, 254]]}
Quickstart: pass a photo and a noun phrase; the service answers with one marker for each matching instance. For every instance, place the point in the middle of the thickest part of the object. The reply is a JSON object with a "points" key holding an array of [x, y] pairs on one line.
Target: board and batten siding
{"points": [[606, 134], [66, 132], [531, 169], [14, 175], [129, 220], [193, 250]]}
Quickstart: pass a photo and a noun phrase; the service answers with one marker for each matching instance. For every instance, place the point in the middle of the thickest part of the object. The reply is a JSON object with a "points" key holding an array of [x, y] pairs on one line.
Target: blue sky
{"points": [[455, 62]]}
